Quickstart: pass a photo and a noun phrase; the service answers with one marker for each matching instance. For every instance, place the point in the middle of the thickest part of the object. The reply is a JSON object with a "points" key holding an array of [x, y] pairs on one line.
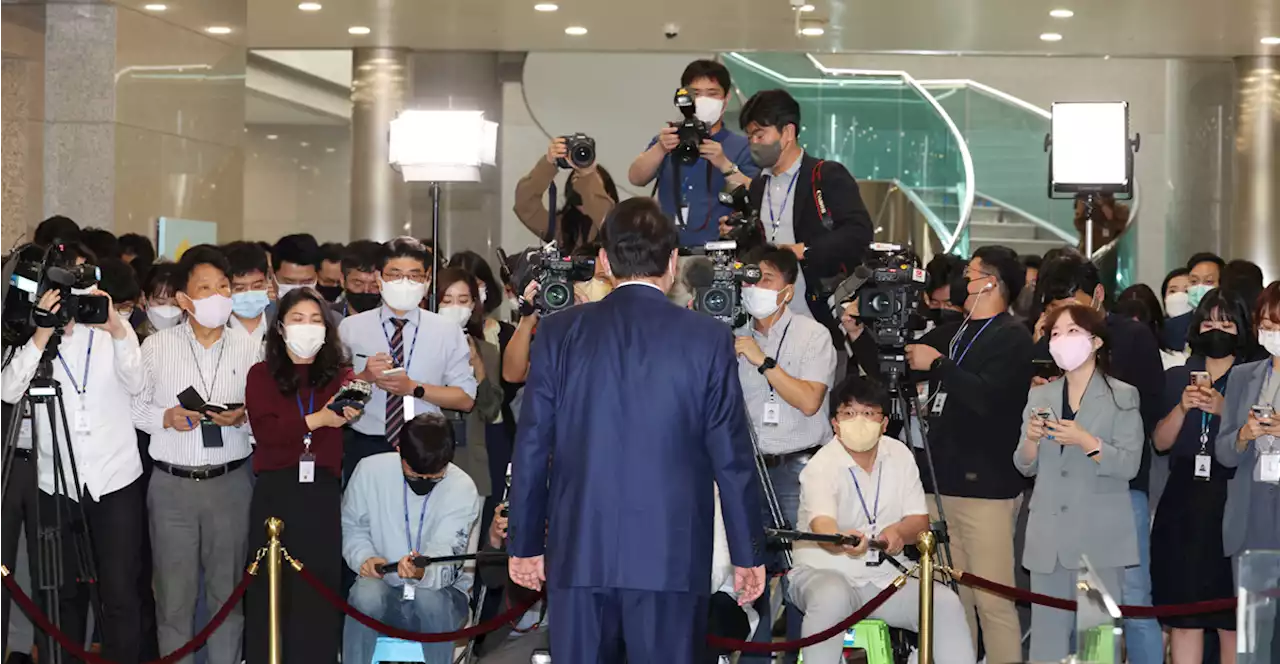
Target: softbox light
{"points": [[442, 146], [1090, 150]]}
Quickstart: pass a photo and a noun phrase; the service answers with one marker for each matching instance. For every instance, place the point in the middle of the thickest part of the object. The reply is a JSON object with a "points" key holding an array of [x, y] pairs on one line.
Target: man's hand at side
{"points": [[528, 572], [748, 582]]}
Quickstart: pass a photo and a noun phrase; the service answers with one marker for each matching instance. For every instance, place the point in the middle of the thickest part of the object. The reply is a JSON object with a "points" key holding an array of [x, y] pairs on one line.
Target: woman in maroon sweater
{"points": [[298, 460]]}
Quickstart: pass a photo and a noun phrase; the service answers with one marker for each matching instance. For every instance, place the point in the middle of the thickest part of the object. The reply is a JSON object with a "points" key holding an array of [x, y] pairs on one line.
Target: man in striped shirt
{"points": [[199, 496]]}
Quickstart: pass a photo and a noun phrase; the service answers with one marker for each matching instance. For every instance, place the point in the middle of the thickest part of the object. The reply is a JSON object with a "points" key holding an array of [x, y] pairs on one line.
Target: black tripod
{"points": [[47, 578]]}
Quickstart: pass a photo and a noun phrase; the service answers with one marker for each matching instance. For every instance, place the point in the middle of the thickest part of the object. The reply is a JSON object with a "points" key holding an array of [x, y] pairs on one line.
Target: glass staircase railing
{"points": [[882, 126]]}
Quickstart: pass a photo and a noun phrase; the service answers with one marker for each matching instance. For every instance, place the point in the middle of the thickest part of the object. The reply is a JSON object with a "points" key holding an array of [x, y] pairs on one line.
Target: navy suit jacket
{"points": [[631, 410]]}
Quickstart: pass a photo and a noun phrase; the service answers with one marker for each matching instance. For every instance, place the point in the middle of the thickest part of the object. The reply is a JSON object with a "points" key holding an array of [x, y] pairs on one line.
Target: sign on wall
{"points": [[175, 236]]}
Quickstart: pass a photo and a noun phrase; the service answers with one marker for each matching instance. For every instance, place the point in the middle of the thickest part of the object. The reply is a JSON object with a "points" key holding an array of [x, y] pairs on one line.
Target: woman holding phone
{"points": [[299, 465], [1082, 440], [1187, 561], [1249, 440]]}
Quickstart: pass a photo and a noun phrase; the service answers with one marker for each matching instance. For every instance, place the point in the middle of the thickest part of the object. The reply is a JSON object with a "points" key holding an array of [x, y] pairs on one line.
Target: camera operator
{"points": [[99, 368], [726, 159], [814, 207], [589, 196], [978, 388]]}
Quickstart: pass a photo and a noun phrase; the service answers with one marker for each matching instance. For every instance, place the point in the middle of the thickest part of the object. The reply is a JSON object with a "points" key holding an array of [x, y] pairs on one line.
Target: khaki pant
{"points": [[982, 543]]}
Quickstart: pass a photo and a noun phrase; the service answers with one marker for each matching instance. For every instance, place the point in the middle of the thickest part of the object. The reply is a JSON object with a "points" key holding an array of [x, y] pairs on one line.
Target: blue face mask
{"points": [[1197, 293], [249, 304]]}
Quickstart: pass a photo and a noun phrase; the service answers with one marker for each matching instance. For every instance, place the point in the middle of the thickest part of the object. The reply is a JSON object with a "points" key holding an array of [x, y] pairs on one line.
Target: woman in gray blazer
{"points": [[1082, 440]]}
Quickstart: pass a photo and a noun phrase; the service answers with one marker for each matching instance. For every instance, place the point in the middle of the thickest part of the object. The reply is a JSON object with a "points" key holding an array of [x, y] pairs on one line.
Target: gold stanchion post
{"points": [[275, 527], [926, 547]]}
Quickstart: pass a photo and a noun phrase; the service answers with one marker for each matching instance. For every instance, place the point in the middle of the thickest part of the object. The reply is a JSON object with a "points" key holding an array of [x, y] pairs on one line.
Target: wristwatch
{"points": [[768, 364], [419, 391], [733, 168], [937, 362]]}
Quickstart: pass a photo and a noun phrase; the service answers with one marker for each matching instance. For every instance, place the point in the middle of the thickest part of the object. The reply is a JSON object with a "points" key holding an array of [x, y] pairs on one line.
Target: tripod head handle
{"points": [[805, 536]]}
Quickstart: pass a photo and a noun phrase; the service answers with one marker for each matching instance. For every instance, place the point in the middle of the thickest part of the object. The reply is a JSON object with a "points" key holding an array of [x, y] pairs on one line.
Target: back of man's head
{"points": [[56, 227], [1066, 275], [426, 443], [1245, 278], [299, 249], [1004, 263], [639, 239], [138, 246], [118, 280]]}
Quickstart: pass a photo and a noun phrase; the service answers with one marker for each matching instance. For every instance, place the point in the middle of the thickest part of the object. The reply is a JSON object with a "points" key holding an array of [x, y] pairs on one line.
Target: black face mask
{"points": [[421, 485], [1215, 344], [959, 289], [363, 301], [329, 293], [949, 316]]}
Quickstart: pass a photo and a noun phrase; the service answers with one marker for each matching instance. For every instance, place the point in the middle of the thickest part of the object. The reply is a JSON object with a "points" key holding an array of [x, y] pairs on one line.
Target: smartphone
{"points": [[1263, 411], [1200, 379], [1046, 369], [1044, 413], [393, 371]]}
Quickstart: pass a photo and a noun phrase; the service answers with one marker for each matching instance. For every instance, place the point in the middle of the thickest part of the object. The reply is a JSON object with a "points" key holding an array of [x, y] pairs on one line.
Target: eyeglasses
{"points": [[850, 413], [412, 275]]}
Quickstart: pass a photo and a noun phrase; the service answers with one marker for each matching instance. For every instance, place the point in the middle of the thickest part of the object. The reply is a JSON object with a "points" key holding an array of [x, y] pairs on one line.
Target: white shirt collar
{"points": [[641, 283], [793, 168]]}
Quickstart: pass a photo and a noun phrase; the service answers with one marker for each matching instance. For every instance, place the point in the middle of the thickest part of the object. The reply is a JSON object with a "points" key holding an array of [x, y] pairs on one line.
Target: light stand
{"points": [[1090, 153]]}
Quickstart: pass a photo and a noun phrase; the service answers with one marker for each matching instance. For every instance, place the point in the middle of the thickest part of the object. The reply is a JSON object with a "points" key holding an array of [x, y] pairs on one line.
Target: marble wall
{"points": [[299, 181], [21, 120]]}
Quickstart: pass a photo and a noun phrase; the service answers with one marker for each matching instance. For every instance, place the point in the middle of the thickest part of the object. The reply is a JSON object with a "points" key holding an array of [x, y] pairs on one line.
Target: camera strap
{"points": [[677, 196], [551, 212], [824, 213]]}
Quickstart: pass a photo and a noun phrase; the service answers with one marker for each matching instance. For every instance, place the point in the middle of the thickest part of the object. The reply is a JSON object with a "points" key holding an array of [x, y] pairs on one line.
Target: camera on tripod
{"points": [[889, 300], [691, 131], [744, 223], [37, 270], [720, 296], [555, 274], [581, 150]]}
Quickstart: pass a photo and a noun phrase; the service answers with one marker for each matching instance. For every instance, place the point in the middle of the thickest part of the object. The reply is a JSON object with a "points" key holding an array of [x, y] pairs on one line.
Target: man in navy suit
{"points": [[631, 411]]}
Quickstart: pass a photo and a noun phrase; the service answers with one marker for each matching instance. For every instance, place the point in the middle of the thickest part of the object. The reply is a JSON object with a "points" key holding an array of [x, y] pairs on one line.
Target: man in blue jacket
{"points": [[632, 410]]}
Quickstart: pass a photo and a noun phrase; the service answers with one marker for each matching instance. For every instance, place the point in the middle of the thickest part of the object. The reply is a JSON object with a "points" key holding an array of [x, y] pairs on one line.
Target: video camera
{"points": [[32, 271], [717, 283], [581, 151], [691, 131], [889, 299], [747, 230], [555, 274]]}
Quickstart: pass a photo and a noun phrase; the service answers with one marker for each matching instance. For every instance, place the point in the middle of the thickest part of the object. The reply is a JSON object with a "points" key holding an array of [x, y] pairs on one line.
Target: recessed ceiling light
{"points": [[807, 8], [546, 7], [1050, 37], [155, 7], [1062, 13], [331, 149], [575, 30], [814, 31], [305, 144], [272, 137], [218, 30], [358, 30], [1270, 41], [310, 6]]}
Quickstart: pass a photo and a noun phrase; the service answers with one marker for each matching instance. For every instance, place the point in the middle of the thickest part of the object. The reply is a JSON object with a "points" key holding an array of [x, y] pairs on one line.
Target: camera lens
{"points": [[880, 304], [557, 295], [716, 302], [583, 155]]}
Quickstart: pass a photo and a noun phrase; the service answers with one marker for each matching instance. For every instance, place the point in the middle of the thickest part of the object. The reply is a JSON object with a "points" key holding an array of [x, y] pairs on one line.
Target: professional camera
{"points": [[746, 228], [889, 300], [581, 149], [717, 284], [31, 272], [691, 131], [555, 274]]}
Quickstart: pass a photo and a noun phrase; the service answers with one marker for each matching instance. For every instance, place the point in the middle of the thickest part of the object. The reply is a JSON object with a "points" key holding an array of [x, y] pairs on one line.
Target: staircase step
{"points": [[1012, 229], [1022, 246]]}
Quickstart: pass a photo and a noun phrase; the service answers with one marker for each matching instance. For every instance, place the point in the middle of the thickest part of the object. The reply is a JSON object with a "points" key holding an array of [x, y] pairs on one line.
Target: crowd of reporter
{"points": [[1039, 394]]}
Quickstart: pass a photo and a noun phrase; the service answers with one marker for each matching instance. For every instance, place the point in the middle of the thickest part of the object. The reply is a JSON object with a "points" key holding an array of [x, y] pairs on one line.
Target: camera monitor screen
{"points": [[1090, 147]]}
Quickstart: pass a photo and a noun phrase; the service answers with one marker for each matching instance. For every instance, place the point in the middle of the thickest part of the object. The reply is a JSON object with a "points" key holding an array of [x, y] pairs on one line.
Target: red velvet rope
{"points": [[395, 632], [77, 650], [1009, 592], [836, 629]]}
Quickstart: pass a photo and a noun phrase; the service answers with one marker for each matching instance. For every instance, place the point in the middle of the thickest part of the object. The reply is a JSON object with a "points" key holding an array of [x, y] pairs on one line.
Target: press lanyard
{"points": [[311, 405], [413, 346], [1204, 420], [768, 194], [777, 353], [871, 515], [422, 518], [971, 342], [83, 385], [208, 385]]}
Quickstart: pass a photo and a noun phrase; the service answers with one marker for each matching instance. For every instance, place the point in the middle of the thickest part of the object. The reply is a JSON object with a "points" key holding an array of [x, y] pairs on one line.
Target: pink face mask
{"points": [[1071, 350]]}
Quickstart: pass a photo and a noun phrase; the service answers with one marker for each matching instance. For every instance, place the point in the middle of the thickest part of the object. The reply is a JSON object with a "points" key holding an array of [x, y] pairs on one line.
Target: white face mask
{"points": [[164, 316], [282, 289], [1177, 304], [459, 314], [1270, 340], [402, 294], [760, 302], [213, 311], [304, 339], [708, 109]]}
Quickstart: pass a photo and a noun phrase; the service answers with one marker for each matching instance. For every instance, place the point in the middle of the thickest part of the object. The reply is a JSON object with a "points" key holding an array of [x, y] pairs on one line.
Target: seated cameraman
{"points": [[99, 368], [978, 389], [827, 240], [588, 196], [866, 484], [725, 162], [386, 492]]}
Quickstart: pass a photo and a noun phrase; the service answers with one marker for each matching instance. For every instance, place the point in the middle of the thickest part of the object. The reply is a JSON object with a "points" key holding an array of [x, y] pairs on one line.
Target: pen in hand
{"points": [[189, 423]]}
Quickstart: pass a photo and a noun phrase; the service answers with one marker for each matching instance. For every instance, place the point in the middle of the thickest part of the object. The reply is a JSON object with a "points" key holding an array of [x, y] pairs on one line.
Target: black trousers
{"points": [[17, 516], [312, 630], [117, 529]]}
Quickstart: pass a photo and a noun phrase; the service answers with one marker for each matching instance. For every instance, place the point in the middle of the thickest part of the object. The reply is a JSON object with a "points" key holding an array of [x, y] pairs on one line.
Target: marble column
{"points": [[379, 197], [1254, 229]]}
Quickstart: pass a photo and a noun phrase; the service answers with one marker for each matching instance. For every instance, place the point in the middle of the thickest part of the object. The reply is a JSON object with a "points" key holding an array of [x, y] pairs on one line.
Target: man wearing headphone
{"points": [[978, 382]]}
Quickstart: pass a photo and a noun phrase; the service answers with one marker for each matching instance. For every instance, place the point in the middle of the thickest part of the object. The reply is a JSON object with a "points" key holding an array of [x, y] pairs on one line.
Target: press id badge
{"points": [[772, 412], [409, 591], [307, 468], [874, 557], [939, 401], [82, 422], [684, 214], [1269, 467], [1203, 466]]}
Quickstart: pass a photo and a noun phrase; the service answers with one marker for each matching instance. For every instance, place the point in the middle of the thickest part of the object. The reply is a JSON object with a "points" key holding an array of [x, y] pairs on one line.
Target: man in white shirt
{"points": [[417, 361], [397, 507], [199, 494], [249, 288], [99, 369], [866, 484]]}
